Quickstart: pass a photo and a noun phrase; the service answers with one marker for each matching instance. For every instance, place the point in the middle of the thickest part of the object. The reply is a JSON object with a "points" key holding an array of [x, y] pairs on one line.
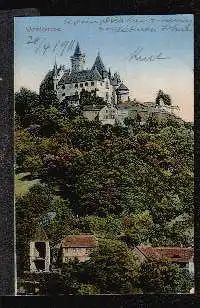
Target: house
{"points": [[182, 256], [77, 246], [108, 115]]}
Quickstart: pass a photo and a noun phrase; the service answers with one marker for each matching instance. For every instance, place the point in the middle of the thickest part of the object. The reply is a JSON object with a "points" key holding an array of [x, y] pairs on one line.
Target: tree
{"points": [[113, 268], [47, 95], [137, 229], [90, 98], [161, 276], [163, 97], [25, 102]]}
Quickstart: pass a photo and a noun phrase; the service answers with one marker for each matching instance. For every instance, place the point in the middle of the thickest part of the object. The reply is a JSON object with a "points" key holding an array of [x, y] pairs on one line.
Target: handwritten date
{"points": [[41, 46]]}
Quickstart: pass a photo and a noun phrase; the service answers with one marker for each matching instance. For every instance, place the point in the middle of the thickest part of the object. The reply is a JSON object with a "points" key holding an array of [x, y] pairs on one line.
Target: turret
{"points": [[122, 93], [77, 60]]}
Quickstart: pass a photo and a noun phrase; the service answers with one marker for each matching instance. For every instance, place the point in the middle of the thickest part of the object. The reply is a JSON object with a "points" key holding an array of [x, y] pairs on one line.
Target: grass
{"points": [[23, 183]]}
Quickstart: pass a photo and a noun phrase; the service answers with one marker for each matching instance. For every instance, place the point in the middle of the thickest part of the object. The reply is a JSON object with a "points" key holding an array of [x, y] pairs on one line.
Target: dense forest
{"points": [[127, 185]]}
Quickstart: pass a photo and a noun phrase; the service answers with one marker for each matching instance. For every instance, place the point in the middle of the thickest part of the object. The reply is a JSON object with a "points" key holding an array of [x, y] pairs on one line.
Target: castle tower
{"points": [[77, 60], [122, 93], [39, 252], [98, 63], [55, 76]]}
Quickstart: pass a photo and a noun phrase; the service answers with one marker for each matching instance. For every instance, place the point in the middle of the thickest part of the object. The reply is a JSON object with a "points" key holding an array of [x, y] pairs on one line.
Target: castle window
{"points": [[81, 85], [92, 83], [63, 94], [86, 84], [63, 87], [76, 85]]}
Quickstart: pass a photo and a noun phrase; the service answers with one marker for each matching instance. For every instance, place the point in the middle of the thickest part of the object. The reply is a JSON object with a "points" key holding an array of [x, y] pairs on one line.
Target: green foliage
{"points": [[127, 185], [48, 97], [25, 102], [165, 98], [164, 277], [90, 98], [112, 268]]}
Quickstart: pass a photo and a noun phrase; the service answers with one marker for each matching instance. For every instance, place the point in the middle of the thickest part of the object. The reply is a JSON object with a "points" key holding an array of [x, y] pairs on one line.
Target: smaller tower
{"points": [[55, 76], [122, 93], [77, 60], [39, 252], [109, 73]]}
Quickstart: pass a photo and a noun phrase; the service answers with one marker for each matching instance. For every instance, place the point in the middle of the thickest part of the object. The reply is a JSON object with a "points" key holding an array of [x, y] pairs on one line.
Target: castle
{"points": [[69, 83]]}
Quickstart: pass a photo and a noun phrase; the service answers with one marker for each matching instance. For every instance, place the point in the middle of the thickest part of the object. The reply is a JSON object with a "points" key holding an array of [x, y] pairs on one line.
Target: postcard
{"points": [[104, 154]]}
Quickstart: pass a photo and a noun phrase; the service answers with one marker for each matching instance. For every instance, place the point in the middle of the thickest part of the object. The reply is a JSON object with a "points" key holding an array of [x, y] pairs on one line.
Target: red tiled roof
{"points": [[79, 241], [176, 254]]}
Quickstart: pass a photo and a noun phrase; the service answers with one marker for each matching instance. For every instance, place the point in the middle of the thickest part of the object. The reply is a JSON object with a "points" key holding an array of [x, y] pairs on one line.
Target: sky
{"points": [[126, 44]]}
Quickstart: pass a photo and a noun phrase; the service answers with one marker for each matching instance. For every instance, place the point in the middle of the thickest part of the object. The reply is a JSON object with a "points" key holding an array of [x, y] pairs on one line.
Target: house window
{"points": [[101, 83], [63, 87], [76, 85], [63, 94], [86, 84], [107, 85], [81, 85], [92, 83]]}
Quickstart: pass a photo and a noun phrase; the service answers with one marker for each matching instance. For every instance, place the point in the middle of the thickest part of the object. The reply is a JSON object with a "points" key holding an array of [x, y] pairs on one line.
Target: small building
{"points": [[39, 252], [91, 112], [77, 246], [182, 256], [108, 115]]}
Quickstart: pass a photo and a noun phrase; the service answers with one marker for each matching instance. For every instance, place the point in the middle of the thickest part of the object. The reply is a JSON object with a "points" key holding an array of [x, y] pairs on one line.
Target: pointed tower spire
{"points": [[109, 73], [77, 51], [78, 59], [55, 68], [98, 63]]}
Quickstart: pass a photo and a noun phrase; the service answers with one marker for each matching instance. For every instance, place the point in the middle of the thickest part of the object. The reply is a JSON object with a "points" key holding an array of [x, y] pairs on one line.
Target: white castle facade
{"points": [[69, 83]]}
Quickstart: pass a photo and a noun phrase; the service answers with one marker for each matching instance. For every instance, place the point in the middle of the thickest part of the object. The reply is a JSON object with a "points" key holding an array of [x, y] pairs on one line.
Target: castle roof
{"points": [[98, 63], [79, 241], [122, 87], [80, 76], [95, 74], [77, 51]]}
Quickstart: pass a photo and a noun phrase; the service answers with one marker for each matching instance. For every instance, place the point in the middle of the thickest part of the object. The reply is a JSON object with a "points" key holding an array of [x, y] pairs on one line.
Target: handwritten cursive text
{"points": [[137, 55]]}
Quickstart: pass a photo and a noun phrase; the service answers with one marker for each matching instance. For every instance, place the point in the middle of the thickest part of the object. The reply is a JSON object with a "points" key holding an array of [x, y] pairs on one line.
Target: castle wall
{"points": [[72, 89]]}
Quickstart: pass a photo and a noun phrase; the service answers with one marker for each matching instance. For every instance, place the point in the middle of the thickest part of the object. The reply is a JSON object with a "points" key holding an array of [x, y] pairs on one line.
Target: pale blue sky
{"points": [[144, 79]]}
